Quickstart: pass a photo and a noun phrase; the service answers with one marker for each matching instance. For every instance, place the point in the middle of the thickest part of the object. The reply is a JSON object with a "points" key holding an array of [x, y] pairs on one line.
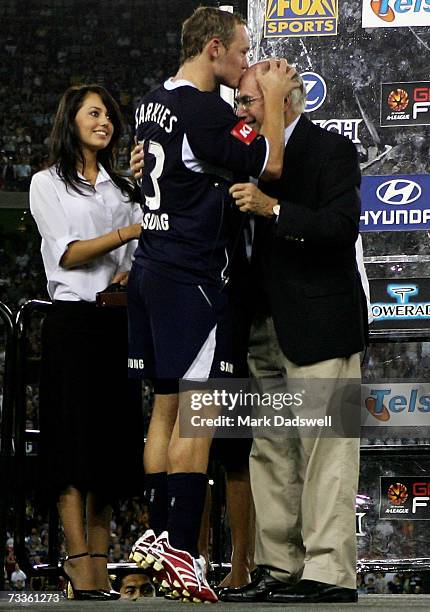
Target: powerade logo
{"points": [[395, 203], [404, 304], [316, 91], [286, 18], [395, 13], [403, 309]]}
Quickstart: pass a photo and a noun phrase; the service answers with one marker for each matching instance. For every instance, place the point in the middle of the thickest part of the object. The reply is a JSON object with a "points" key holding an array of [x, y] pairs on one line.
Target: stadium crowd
{"points": [[43, 51]]}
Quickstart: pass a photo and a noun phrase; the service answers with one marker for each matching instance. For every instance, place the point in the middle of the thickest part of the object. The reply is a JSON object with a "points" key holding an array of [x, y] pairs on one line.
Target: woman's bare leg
{"points": [[71, 511]]}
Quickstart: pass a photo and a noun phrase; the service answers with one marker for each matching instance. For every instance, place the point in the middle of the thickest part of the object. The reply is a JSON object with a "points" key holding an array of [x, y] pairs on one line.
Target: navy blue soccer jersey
{"points": [[194, 145]]}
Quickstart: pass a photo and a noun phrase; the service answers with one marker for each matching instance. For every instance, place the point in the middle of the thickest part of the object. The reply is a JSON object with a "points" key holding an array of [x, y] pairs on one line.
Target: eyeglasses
{"points": [[245, 101]]}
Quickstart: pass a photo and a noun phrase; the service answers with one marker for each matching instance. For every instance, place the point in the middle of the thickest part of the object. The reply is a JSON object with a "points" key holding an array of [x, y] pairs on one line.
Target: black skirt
{"points": [[90, 412]]}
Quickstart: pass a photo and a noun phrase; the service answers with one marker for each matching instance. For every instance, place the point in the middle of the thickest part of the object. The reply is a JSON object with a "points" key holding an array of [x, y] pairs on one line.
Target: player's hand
{"points": [[121, 278], [132, 231], [250, 199], [278, 80], [137, 161]]}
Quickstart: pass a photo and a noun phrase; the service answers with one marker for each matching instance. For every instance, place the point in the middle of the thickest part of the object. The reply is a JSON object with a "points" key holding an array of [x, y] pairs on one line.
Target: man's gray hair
{"points": [[298, 96]]}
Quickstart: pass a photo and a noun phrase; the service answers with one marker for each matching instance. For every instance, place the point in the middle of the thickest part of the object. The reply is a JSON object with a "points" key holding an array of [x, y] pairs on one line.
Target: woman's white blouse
{"points": [[63, 216]]}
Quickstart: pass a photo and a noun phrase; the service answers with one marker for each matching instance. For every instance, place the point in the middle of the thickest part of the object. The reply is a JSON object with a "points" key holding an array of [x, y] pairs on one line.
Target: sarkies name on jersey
{"points": [[152, 221], [155, 112]]}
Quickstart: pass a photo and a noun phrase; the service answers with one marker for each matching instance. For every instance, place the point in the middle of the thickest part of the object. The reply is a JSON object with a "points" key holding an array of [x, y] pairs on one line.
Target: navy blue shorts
{"points": [[177, 330]]}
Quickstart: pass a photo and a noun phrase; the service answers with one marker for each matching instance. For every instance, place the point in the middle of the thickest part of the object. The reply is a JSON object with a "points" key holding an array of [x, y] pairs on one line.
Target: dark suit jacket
{"points": [[307, 260]]}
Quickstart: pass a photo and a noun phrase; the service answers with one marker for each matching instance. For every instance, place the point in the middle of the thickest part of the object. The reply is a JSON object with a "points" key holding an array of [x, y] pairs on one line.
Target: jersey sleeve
{"points": [[217, 136], [51, 220]]}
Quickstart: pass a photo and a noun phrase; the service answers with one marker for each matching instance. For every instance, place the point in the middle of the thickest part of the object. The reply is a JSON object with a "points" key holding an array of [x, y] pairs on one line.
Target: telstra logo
{"points": [[411, 401], [382, 9], [398, 192], [388, 9]]}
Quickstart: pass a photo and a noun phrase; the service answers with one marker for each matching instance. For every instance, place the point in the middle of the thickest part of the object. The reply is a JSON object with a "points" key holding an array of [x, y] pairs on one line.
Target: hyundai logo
{"points": [[398, 192]]}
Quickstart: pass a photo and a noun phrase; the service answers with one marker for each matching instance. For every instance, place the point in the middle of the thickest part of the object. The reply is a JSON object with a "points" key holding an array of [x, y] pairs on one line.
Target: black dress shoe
{"points": [[257, 590], [82, 594], [311, 591], [111, 594]]}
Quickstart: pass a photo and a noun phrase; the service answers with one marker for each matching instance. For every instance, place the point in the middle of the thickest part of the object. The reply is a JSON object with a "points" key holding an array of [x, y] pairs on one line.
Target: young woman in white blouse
{"points": [[89, 224]]}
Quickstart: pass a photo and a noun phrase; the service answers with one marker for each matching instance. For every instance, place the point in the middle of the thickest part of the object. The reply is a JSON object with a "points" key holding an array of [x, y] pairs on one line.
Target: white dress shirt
{"points": [[290, 129], [63, 216]]}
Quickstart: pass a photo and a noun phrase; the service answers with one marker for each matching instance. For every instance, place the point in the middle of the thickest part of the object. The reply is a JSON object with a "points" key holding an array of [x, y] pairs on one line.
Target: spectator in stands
{"points": [[10, 561], [9, 173], [22, 170], [18, 578], [361, 585], [380, 583], [134, 586], [395, 586], [85, 214]]}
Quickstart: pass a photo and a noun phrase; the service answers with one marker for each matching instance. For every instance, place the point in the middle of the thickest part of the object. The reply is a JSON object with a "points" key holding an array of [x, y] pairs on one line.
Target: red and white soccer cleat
{"points": [[178, 570], [141, 547], [139, 553]]}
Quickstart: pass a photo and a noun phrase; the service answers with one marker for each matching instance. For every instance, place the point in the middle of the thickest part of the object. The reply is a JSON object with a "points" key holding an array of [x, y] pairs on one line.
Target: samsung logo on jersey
{"points": [[135, 364], [225, 366], [158, 113], [151, 221]]}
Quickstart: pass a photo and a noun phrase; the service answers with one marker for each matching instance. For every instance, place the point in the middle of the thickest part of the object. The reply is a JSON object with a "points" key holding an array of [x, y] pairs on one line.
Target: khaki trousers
{"points": [[304, 489]]}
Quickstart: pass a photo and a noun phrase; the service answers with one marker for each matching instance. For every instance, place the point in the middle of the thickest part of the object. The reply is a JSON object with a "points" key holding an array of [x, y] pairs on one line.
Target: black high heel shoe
{"points": [[88, 594], [111, 593]]}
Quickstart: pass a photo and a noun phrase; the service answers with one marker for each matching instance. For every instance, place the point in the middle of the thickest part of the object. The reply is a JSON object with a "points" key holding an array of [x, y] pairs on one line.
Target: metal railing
{"points": [[22, 326], [6, 430]]}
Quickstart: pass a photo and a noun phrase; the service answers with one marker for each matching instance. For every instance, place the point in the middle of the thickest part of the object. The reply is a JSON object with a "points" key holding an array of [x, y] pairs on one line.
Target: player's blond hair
{"points": [[203, 25]]}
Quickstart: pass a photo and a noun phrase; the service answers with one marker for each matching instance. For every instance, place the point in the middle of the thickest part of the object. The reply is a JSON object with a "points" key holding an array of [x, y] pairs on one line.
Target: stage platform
{"points": [[368, 603]]}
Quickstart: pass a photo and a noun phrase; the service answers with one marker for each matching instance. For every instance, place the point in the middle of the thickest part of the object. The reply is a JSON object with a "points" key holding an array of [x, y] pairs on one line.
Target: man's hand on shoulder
{"points": [[249, 198]]}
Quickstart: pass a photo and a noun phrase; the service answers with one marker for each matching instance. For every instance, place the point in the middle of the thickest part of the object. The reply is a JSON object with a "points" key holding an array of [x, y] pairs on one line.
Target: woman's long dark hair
{"points": [[65, 149]]}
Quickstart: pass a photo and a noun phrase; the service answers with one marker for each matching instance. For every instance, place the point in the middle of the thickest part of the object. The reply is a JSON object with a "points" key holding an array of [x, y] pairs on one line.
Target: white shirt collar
{"points": [[102, 176], [170, 84], [290, 129]]}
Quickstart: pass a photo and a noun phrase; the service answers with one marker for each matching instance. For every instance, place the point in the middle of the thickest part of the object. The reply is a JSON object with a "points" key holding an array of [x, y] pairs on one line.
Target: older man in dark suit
{"points": [[310, 324]]}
